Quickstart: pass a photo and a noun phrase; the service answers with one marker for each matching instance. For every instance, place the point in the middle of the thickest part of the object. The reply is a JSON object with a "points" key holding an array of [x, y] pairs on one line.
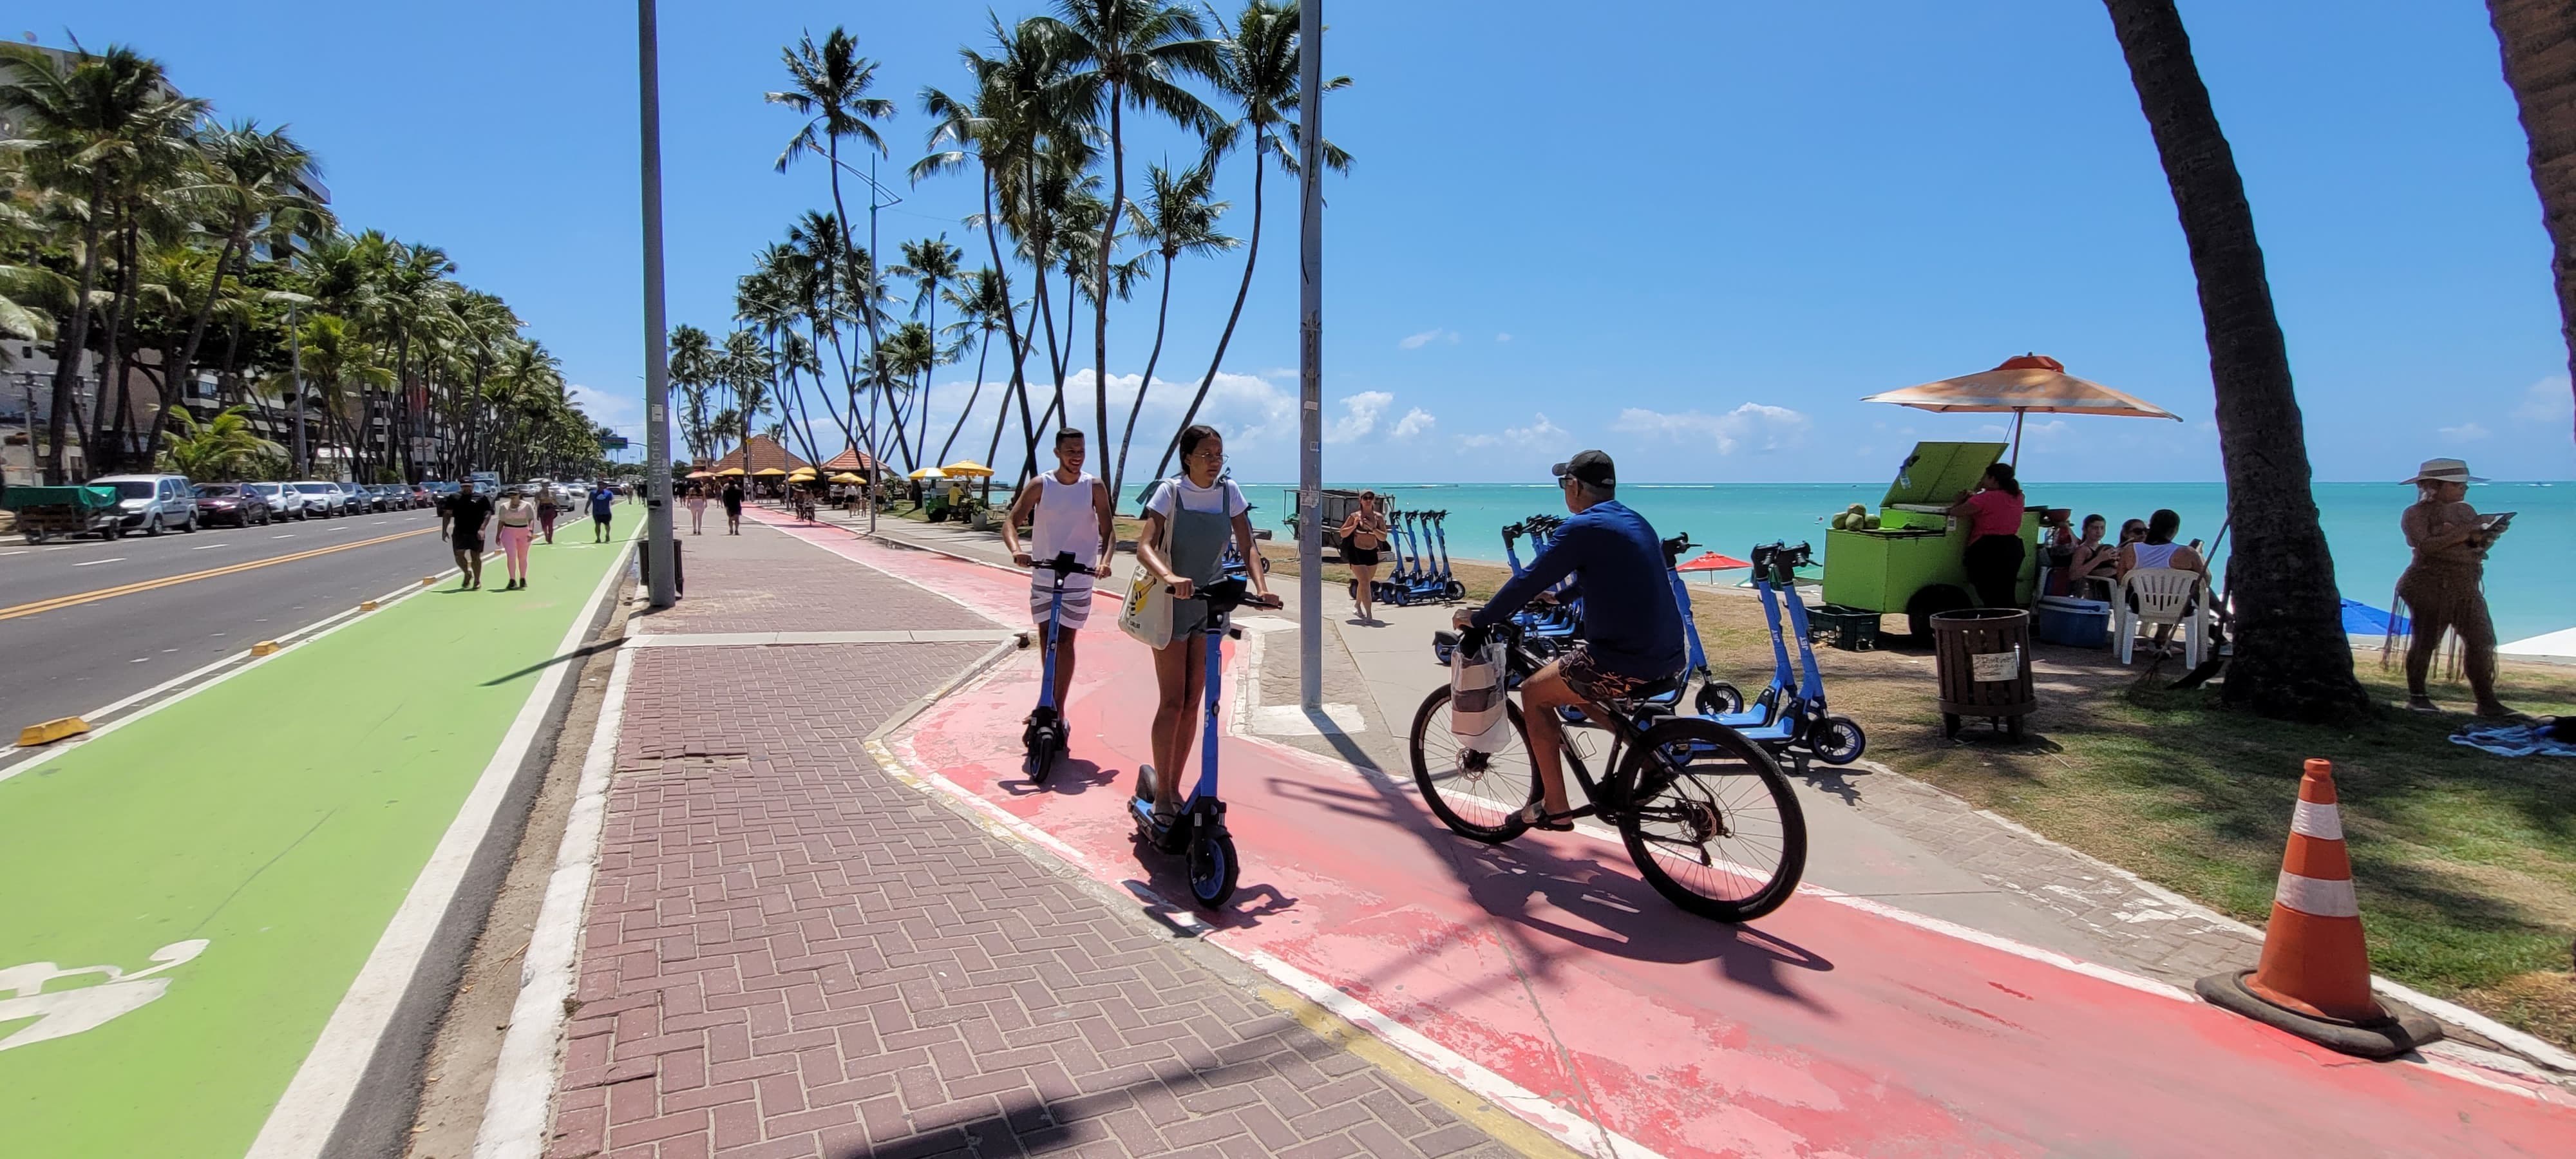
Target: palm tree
{"points": [[692, 369], [1260, 78], [248, 177], [88, 131], [2292, 657], [1177, 219], [745, 365], [829, 87], [982, 301], [222, 447], [2535, 36], [931, 263], [1133, 53]]}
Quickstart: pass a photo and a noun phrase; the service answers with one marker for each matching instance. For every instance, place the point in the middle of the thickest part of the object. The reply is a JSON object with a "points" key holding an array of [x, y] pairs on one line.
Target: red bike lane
{"points": [[1546, 976]]}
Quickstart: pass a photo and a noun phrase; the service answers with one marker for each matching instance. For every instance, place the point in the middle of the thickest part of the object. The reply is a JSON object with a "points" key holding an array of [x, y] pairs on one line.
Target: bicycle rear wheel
{"points": [[1713, 826], [1475, 794]]}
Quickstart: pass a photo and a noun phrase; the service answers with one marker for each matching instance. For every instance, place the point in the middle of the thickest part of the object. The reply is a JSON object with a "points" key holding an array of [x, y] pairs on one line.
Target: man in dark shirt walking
{"points": [[460, 523], [1632, 630], [603, 507]]}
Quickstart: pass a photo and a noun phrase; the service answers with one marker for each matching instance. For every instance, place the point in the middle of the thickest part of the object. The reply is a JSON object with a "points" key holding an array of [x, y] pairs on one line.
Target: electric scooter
{"points": [[1198, 831], [1801, 725], [1715, 697], [1450, 588], [1044, 738]]}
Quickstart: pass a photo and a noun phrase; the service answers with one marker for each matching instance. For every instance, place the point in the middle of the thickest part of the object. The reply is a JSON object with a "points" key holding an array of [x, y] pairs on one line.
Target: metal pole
{"points": [[295, 376], [1310, 361], [868, 302], [659, 551]]}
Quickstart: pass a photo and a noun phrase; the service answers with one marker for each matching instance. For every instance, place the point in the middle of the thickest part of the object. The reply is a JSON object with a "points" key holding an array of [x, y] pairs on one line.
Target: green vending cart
{"points": [[1906, 557]]}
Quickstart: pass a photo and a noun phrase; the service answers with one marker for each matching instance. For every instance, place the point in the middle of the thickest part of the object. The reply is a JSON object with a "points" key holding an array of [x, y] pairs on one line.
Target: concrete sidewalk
{"points": [[789, 952]]}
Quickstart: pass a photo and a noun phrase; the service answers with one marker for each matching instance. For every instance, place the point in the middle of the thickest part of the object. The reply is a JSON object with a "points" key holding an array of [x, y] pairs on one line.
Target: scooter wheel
{"points": [[1718, 698], [1454, 590], [1040, 761], [1838, 740], [1212, 869]]}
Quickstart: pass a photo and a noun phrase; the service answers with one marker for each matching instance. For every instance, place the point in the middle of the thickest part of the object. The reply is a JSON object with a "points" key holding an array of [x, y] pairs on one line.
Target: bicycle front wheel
{"points": [[1713, 826], [1475, 794]]}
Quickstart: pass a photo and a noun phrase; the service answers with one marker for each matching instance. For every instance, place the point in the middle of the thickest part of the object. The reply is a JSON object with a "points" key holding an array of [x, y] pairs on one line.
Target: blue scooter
{"points": [[1044, 738], [1799, 724], [1715, 697], [1198, 831]]}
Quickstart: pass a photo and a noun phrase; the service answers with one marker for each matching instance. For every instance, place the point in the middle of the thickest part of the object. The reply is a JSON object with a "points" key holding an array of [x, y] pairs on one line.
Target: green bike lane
{"points": [[191, 897]]}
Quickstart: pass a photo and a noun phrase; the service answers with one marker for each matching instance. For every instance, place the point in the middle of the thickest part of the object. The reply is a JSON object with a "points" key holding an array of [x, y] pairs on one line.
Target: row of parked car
{"points": [[152, 504]]}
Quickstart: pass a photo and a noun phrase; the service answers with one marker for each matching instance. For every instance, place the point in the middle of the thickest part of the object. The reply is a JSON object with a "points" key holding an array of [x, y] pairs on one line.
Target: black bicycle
{"points": [[1705, 813]]}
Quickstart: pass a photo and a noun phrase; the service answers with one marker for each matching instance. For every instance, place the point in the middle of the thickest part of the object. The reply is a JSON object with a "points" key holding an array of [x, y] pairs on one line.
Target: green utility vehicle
{"points": [[1906, 557]]}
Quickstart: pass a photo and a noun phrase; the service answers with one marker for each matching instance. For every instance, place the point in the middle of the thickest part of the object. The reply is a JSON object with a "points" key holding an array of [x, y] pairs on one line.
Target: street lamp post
{"points": [[295, 376], [1310, 360], [659, 550]]}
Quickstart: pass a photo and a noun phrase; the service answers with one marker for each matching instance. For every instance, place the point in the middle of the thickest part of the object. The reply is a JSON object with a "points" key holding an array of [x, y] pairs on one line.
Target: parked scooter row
{"points": [[1789, 716], [1419, 543]]}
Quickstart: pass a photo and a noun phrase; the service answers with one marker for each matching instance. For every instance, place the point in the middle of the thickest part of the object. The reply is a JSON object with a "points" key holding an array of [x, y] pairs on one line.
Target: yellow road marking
{"points": [[72, 601]]}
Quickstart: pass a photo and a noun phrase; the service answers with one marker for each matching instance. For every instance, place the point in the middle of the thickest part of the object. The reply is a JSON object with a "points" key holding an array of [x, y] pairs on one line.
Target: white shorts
{"points": [[1077, 603]]}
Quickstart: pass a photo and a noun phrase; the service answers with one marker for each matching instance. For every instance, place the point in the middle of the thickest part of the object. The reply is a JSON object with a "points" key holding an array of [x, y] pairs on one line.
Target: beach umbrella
{"points": [[928, 473], [967, 467], [1712, 562], [801, 473], [846, 477], [768, 472], [2022, 385], [729, 473], [700, 475]]}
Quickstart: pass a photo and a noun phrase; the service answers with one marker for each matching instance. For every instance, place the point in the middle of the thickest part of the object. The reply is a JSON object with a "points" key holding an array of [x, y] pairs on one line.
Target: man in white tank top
{"points": [[1066, 510]]}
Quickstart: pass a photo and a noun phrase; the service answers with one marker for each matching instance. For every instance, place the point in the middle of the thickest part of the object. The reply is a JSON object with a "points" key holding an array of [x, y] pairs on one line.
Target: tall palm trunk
{"points": [[2538, 38], [1162, 315], [1108, 241], [2292, 658], [119, 358], [983, 350], [75, 340], [183, 371], [1251, 258]]}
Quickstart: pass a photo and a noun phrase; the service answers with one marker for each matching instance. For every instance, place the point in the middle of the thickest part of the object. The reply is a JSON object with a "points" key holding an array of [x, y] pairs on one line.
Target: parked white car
{"points": [[152, 504]]}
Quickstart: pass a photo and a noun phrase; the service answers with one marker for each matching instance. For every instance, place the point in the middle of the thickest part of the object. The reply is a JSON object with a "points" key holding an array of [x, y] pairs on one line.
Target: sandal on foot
{"points": [[2422, 704], [1536, 816]]}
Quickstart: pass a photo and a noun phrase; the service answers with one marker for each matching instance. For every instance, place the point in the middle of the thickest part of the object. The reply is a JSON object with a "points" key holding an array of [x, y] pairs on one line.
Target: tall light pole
{"points": [[659, 551], [295, 376], [1310, 358]]}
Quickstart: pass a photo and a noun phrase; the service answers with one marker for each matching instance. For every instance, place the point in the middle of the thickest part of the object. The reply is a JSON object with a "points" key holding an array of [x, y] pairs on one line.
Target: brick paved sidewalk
{"points": [[788, 953]]}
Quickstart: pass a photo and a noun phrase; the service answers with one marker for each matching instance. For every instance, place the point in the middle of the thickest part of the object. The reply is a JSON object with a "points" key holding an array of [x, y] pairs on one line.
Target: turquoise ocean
{"points": [[2531, 575]]}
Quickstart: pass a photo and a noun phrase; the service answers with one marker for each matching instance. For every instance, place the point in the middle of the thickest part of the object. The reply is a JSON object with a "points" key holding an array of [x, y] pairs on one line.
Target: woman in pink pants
{"points": [[518, 520]]}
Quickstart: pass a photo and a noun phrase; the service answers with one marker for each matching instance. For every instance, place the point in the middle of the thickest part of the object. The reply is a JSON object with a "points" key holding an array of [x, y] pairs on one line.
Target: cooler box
{"points": [[2074, 623]]}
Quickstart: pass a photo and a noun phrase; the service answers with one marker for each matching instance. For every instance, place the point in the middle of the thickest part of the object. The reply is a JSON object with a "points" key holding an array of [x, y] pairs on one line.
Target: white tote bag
{"points": [[1479, 704], [1147, 612]]}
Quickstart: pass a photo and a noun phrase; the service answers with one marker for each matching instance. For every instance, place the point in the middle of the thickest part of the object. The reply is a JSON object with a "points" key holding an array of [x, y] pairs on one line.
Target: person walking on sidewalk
{"points": [[518, 528], [697, 501], [1067, 511], [460, 523], [1187, 523], [547, 509], [603, 507], [1362, 535], [733, 506]]}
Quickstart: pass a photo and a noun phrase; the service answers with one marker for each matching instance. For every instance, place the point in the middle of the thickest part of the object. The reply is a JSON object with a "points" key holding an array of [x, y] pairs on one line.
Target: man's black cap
{"points": [[1590, 466]]}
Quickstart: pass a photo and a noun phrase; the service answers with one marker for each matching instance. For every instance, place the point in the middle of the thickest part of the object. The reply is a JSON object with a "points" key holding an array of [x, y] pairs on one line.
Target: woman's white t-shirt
{"points": [[1224, 499]]}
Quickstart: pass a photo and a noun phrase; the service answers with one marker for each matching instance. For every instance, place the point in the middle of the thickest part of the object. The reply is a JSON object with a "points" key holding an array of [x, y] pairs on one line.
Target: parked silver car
{"points": [[152, 504], [320, 498], [284, 501]]}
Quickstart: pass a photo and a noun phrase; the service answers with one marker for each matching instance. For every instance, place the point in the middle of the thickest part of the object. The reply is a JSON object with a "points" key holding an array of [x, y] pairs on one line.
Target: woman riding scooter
{"points": [[1182, 544]]}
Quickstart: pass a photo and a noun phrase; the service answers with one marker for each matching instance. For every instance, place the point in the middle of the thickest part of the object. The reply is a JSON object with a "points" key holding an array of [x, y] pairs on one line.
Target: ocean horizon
{"points": [[2526, 577]]}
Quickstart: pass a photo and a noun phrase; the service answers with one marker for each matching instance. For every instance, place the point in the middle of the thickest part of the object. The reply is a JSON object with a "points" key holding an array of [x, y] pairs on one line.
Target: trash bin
{"points": [[1982, 656], [679, 568]]}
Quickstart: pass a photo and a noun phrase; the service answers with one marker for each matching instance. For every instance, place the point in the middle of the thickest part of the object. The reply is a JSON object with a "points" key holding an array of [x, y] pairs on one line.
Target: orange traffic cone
{"points": [[2314, 977]]}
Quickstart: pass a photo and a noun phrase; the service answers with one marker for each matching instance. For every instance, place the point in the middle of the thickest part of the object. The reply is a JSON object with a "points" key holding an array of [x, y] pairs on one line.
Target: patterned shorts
{"points": [[1077, 603], [1590, 681]]}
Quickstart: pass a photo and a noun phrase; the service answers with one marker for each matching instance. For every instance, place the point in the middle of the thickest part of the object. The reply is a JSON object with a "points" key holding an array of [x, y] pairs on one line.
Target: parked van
{"points": [[152, 504]]}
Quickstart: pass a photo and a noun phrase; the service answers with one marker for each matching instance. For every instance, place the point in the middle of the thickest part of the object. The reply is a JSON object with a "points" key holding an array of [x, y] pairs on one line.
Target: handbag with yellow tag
{"points": [[1147, 613]]}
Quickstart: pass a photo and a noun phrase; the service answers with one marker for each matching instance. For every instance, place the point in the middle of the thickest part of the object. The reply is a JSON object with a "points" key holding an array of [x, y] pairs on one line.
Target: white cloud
{"points": [[1760, 425], [1502, 337], [622, 413], [2463, 433], [1426, 338], [1359, 416], [1541, 432], [2547, 401], [1414, 422]]}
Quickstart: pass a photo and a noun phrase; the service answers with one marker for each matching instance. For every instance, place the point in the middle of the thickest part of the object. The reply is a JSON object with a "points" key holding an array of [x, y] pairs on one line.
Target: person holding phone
{"points": [[2444, 586]]}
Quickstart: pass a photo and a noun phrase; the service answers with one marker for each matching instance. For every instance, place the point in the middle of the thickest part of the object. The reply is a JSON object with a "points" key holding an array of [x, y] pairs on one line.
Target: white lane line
{"points": [[523, 1078], [382, 522], [210, 546], [112, 559], [301, 1123], [23, 551], [291, 535]]}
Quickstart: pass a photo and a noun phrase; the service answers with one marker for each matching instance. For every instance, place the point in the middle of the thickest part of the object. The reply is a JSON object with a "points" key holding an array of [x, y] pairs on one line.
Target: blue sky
{"points": [[1693, 235]]}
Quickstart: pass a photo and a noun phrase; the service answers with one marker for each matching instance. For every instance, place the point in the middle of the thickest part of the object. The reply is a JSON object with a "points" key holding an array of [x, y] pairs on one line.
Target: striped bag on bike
{"points": [[1479, 704]]}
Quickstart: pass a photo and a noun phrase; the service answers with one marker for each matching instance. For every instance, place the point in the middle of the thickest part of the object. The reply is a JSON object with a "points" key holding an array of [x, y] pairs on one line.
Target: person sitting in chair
{"points": [[2158, 550]]}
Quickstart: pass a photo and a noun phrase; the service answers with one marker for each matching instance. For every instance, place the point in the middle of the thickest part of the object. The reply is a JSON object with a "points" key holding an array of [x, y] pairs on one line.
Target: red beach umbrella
{"points": [[1711, 561]]}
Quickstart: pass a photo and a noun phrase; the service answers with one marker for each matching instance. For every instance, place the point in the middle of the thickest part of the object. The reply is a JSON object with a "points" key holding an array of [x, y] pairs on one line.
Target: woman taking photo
{"points": [[1187, 523], [1362, 534], [518, 520], [1994, 555], [2444, 585]]}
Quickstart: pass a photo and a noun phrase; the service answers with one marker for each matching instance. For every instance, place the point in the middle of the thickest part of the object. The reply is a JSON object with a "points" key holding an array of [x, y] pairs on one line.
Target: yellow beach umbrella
{"points": [[846, 477], [801, 473], [969, 468], [729, 473], [768, 473], [928, 473], [704, 475]]}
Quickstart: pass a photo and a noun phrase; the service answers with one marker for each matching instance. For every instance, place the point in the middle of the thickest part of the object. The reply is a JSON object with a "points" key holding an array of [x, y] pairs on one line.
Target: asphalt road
{"points": [[67, 647]]}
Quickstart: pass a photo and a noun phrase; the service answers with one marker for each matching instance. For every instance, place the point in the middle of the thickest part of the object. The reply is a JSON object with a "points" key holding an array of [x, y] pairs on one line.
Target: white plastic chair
{"points": [[2163, 594]]}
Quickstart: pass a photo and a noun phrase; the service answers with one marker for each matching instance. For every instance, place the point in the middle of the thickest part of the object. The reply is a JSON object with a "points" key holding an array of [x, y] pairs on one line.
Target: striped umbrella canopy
{"points": [[2030, 382]]}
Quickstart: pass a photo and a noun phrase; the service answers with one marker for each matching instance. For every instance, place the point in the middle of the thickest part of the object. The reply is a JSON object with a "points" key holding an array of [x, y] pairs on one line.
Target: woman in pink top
{"points": [[1994, 514]]}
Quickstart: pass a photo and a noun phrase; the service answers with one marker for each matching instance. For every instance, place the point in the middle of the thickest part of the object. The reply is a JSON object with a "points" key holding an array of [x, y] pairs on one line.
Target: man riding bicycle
{"points": [[1632, 632]]}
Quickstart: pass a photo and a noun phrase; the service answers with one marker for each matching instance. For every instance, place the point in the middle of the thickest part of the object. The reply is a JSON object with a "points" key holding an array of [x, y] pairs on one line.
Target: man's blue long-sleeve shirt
{"points": [[1630, 623]]}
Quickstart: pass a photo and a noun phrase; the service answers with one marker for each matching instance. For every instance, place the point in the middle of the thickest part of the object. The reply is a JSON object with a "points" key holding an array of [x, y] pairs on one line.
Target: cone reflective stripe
{"points": [[2314, 959]]}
